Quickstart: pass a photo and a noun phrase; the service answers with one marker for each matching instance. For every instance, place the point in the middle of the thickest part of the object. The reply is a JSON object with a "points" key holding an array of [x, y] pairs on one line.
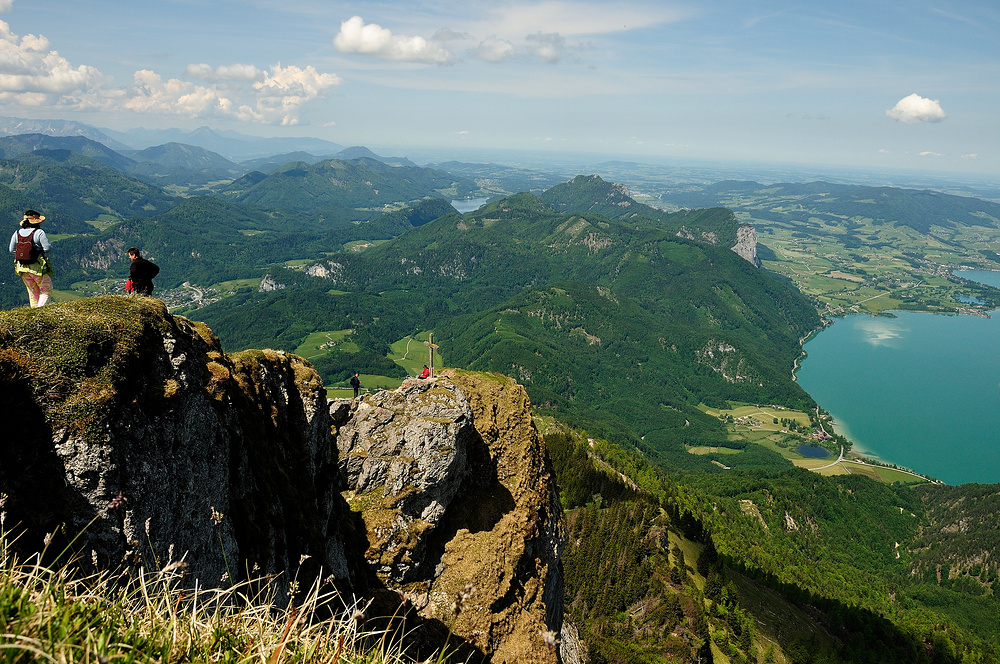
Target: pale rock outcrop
{"points": [[489, 525], [746, 244], [237, 463]]}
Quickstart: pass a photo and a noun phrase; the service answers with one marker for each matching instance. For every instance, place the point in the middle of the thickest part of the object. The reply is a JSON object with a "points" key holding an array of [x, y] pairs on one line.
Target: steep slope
{"points": [[138, 444], [455, 489], [117, 397]]}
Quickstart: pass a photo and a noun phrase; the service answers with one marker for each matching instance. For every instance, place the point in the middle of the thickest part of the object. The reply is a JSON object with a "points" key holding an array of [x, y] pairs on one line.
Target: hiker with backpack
{"points": [[30, 247], [140, 274]]}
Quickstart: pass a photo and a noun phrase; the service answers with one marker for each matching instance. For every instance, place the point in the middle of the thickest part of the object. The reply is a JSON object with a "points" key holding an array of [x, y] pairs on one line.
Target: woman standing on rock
{"points": [[30, 247]]}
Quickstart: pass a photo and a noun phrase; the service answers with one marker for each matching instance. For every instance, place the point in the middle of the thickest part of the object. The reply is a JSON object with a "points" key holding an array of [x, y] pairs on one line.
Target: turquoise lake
{"points": [[918, 390]]}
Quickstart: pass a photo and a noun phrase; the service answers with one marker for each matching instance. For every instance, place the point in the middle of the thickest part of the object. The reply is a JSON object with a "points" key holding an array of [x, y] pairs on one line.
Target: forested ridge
{"points": [[787, 566]]}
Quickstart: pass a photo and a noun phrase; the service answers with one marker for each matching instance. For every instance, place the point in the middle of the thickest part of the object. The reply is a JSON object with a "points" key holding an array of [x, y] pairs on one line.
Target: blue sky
{"points": [[872, 84]]}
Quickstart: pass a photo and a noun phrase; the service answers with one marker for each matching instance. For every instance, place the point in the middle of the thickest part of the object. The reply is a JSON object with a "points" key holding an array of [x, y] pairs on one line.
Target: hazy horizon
{"points": [[871, 86]]}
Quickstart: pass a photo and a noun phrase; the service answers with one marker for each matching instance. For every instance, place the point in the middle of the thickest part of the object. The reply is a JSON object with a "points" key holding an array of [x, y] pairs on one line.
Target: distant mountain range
{"points": [[230, 144]]}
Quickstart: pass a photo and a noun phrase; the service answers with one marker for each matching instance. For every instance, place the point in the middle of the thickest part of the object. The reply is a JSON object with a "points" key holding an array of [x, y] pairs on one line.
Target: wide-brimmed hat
{"points": [[34, 217]]}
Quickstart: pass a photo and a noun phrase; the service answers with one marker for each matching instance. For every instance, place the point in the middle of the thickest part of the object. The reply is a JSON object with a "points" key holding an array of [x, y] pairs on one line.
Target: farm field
{"points": [[771, 428]]}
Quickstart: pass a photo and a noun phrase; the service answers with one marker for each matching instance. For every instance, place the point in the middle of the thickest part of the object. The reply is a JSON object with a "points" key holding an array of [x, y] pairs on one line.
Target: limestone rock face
{"points": [[403, 456], [746, 244], [120, 397], [490, 529], [439, 491]]}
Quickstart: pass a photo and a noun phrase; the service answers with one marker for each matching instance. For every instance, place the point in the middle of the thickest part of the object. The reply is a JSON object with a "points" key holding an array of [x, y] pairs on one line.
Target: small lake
{"points": [[919, 390], [811, 451], [464, 205]]}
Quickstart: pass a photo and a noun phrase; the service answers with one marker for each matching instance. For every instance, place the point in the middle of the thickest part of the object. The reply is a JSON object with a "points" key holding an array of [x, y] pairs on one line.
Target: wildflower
{"points": [[549, 639], [304, 557], [147, 525], [47, 539], [217, 516], [170, 552], [117, 501], [358, 615], [93, 557], [225, 577], [256, 568]]}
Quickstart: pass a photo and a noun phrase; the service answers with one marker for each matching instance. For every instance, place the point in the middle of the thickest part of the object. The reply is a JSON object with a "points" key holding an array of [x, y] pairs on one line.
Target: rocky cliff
{"points": [[221, 459], [746, 244], [458, 498], [236, 463]]}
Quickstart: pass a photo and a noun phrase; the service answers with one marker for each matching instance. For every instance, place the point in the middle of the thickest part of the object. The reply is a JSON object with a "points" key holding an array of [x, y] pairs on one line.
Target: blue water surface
{"points": [[919, 390]]}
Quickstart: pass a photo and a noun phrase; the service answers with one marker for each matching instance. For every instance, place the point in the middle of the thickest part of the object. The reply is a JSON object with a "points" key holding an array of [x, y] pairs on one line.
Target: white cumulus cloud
{"points": [[274, 97], [915, 108], [32, 73], [494, 49], [374, 40]]}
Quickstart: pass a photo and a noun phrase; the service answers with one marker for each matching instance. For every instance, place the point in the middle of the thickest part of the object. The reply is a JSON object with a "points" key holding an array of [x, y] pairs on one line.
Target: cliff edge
{"points": [[440, 493]]}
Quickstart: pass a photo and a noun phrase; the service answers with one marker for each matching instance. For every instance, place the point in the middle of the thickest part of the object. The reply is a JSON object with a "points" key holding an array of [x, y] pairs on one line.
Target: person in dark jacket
{"points": [[140, 273], [356, 384]]}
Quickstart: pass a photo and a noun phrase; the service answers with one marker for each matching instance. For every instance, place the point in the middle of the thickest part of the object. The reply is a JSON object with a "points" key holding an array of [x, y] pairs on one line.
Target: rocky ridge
{"points": [[235, 463]]}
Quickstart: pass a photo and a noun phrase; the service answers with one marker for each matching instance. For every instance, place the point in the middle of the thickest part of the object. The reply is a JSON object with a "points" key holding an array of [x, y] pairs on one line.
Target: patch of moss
{"points": [[80, 352]]}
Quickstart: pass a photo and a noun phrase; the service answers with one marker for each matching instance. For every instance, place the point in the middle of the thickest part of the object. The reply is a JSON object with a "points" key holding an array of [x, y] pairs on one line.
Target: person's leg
{"points": [[44, 288], [31, 283]]}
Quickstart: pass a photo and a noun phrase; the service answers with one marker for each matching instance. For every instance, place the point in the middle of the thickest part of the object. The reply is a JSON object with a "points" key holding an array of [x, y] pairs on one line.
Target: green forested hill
{"points": [[12, 147], [773, 566], [71, 189], [202, 240], [342, 191], [620, 325], [585, 194]]}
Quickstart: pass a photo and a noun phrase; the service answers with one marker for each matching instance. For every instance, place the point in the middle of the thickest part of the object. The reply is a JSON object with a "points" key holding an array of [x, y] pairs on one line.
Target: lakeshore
{"points": [[918, 390]]}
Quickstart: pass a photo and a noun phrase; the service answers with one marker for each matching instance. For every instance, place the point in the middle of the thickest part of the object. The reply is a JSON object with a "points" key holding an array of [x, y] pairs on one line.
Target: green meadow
{"points": [[762, 425]]}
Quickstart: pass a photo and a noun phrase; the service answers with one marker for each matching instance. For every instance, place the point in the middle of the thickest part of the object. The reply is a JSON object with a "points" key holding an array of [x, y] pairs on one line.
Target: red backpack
{"points": [[25, 250]]}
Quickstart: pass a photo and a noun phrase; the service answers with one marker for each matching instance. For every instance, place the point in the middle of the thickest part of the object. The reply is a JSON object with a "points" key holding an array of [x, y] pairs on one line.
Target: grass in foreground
{"points": [[57, 615]]}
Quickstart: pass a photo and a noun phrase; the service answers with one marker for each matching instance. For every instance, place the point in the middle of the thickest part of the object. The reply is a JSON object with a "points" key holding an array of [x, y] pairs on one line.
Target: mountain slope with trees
{"points": [[622, 326]]}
